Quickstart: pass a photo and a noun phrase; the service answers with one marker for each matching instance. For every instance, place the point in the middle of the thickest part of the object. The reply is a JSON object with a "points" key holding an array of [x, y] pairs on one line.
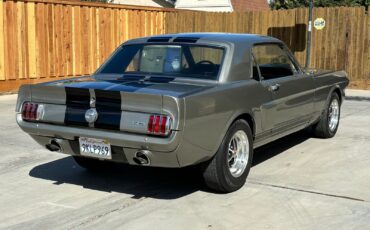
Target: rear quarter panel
{"points": [[209, 114]]}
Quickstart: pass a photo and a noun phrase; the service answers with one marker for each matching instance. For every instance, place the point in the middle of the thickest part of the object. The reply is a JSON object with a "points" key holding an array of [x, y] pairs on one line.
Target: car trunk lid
{"points": [[111, 97]]}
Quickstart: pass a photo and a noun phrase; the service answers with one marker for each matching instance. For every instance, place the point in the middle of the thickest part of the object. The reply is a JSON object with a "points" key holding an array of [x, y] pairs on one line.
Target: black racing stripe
{"points": [[77, 96], [108, 119], [108, 99], [77, 102], [108, 106], [75, 116]]}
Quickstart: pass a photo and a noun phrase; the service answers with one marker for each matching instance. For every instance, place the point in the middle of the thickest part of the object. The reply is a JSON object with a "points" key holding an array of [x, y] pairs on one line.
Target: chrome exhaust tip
{"points": [[53, 146], [142, 157]]}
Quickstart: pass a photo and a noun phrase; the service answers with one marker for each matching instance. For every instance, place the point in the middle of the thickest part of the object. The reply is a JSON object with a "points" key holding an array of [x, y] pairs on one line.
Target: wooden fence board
{"points": [[97, 35], [350, 45], [40, 40], [9, 34], [58, 65], [93, 38], [50, 40], [367, 51], [360, 46], [31, 39], [341, 39], [2, 43], [19, 39]]}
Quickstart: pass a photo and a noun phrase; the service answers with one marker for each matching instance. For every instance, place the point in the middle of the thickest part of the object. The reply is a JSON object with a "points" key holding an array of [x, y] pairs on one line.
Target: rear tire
{"points": [[328, 124], [90, 163], [227, 171]]}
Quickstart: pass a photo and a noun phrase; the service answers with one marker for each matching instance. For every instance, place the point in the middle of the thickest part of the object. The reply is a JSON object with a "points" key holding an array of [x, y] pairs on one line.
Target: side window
{"points": [[273, 61], [134, 64]]}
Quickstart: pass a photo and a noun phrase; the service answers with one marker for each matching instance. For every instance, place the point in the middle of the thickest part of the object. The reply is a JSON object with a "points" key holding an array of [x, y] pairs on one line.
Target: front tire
{"points": [[328, 124], [227, 171]]}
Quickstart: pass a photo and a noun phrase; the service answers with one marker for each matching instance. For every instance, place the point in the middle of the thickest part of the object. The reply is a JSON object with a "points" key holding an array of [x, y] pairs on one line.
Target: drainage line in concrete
{"points": [[307, 191]]}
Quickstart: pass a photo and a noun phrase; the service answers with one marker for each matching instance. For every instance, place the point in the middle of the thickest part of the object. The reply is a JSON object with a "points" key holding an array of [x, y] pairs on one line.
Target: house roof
{"points": [[213, 5], [206, 5], [249, 5]]}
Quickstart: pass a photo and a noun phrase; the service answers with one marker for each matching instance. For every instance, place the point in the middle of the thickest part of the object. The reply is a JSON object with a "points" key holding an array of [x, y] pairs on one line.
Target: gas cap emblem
{"points": [[91, 115]]}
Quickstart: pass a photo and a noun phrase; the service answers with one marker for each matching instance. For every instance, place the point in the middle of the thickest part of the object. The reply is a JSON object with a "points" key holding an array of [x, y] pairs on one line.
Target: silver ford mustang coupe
{"points": [[176, 100]]}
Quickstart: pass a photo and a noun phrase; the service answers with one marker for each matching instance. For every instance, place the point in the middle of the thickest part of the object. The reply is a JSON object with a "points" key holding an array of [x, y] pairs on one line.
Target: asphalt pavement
{"points": [[297, 182]]}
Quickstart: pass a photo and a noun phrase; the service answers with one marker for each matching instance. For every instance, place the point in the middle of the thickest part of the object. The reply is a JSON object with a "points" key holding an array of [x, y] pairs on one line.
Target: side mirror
{"points": [[310, 71]]}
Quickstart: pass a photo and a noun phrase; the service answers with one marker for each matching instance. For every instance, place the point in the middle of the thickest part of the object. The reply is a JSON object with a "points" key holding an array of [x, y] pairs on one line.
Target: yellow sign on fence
{"points": [[319, 23]]}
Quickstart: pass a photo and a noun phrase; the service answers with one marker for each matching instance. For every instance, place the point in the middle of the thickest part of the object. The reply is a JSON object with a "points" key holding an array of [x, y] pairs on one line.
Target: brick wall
{"points": [[249, 5]]}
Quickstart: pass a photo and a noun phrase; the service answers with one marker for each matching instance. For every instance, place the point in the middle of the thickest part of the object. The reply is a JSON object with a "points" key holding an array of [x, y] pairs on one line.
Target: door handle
{"points": [[274, 88]]}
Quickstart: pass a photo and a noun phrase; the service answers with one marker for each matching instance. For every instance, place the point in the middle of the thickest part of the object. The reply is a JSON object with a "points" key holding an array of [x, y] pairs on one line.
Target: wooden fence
{"points": [[41, 40]]}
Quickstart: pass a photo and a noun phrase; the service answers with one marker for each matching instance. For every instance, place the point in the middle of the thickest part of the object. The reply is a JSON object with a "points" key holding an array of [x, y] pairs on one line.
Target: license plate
{"points": [[95, 148]]}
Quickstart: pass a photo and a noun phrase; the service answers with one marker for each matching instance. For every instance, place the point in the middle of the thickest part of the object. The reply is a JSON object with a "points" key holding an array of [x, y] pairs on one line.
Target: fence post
{"points": [[308, 52]]}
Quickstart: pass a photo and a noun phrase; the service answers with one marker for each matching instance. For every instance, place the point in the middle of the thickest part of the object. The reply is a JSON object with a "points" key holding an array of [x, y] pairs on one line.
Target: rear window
{"points": [[190, 61]]}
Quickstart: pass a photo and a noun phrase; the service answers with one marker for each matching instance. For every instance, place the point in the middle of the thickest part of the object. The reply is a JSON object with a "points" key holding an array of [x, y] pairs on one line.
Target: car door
{"points": [[263, 96], [292, 91]]}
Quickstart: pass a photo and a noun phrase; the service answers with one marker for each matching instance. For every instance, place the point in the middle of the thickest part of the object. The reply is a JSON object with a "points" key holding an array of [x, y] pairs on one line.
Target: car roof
{"points": [[235, 38], [236, 66]]}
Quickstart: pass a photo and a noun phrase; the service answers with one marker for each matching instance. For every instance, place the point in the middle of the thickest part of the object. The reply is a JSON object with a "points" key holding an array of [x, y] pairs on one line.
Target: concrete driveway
{"points": [[297, 182]]}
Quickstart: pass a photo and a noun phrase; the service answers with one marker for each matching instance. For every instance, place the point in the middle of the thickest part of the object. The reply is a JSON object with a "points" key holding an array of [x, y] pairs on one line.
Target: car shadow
{"points": [[279, 146], [157, 183]]}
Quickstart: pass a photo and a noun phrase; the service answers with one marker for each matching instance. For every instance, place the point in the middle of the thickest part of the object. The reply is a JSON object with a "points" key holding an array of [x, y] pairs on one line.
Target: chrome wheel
{"points": [[333, 114], [238, 153]]}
